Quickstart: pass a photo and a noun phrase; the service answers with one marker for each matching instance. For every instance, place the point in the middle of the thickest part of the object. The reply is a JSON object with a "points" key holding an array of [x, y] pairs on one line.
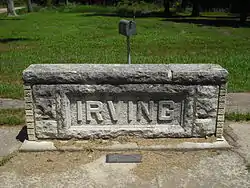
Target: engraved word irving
{"points": [[97, 111]]}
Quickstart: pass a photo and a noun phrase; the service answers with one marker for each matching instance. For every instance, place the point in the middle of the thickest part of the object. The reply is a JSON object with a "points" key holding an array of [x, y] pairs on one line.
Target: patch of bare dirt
{"points": [[155, 163], [47, 162]]}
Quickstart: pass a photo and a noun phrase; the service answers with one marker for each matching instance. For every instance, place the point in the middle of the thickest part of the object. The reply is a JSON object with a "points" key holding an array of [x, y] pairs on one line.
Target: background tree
{"points": [[29, 6], [196, 8], [244, 10], [184, 4], [11, 8], [241, 7], [166, 4]]}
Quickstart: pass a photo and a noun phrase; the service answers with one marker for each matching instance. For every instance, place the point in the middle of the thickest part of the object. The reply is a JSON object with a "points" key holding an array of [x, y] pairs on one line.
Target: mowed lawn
{"points": [[64, 37]]}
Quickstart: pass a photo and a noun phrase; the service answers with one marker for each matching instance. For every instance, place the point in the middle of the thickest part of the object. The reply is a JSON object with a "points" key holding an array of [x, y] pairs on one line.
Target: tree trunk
{"points": [[10, 8], [196, 8], [66, 2], [243, 17], [166, 4], [243, 11], [183, 4], [29, 6]]}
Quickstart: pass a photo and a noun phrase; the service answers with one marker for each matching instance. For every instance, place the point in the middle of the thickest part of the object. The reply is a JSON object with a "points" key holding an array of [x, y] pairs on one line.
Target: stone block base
{"points": [[108, 101], [113, 146]]}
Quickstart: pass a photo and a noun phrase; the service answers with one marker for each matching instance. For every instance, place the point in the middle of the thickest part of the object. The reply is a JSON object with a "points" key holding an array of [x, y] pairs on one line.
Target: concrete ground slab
{"points": [[8, 140], [11, 103], [242, 135], [36, 146], [189, 169], [238, 103], [167, 145], [158, 169]]}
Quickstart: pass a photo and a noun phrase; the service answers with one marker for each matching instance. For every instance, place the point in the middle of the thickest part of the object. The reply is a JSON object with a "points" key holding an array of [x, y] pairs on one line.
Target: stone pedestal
{"points": [[83, 101]]}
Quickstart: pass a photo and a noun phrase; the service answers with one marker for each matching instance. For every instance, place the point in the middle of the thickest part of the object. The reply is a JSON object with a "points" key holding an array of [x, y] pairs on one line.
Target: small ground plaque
{"points": [[122, 158]]}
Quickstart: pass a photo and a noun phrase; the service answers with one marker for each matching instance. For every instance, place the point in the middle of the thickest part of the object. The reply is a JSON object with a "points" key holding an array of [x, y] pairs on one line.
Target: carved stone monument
{"points": [[83, 101]]}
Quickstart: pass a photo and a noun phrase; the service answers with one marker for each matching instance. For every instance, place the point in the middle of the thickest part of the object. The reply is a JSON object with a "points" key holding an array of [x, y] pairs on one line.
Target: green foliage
{"points": [[48, 3], [11, 90], [12, 116], [78, 35], [177, 6], [238, 116], [130, 8], [19, 2], [74, 8]]}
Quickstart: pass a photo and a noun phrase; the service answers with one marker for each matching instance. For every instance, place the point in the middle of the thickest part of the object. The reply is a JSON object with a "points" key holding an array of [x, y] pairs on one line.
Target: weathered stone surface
{"points": [[107, 101], [198, 73], [124, 74], [206, 110], [124, 110]]}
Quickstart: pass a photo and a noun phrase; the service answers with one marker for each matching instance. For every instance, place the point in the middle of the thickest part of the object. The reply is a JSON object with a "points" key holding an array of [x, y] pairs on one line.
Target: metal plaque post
{"points": [[128, 50], [127, 28]]}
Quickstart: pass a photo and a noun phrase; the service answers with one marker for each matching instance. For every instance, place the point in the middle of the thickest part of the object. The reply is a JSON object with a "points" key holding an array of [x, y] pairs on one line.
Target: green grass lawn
{"points": [[12, 116], [80, 37]]}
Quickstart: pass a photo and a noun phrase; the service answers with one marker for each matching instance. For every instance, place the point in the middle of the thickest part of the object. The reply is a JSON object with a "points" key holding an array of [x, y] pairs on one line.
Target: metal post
{"points": [[128, 46]]}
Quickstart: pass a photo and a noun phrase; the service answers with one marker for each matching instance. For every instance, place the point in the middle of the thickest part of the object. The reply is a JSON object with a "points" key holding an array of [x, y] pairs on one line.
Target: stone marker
{"points": [[122, 158], [83, 101]]}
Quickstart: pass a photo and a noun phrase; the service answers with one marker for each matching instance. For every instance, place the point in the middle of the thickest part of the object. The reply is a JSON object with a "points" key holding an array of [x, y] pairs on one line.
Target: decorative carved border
{"points": [[221, 111], [29, 112], [30, 120], [65, 125]]}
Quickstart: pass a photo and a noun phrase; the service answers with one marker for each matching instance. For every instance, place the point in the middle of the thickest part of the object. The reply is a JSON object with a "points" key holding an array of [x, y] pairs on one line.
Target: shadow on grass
{"points": [[220, 17], [211, 21], [10, 19], [216, 21], [7, 40], [128, 14]]}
